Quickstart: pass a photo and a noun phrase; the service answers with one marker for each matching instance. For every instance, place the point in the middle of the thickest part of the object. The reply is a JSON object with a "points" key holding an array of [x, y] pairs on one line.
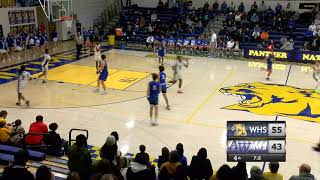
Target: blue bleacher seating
{"points": [[34, 155]]}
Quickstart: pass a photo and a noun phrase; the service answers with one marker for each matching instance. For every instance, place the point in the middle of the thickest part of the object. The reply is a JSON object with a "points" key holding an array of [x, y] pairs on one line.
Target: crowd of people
{"points": [[171, 164], [13, 45]]}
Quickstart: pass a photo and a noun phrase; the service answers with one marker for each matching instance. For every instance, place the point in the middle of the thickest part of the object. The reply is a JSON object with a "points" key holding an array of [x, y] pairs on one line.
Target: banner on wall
{"points": [[17, 17], [295, 56]]}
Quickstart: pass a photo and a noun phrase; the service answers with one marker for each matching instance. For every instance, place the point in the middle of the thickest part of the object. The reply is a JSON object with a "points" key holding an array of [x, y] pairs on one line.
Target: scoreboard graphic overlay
{"points": [[254, 141]]}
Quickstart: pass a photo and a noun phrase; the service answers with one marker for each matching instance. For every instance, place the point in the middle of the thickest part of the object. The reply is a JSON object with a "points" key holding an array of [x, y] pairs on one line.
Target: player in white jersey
{"points": [[23, 78], [316, 73], [97, 55], [177, 68], [45, 66]]}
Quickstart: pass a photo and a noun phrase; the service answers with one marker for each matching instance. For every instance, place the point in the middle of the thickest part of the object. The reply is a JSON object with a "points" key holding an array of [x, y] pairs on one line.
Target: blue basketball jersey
{"points": [[163, 77], [154, 90]]}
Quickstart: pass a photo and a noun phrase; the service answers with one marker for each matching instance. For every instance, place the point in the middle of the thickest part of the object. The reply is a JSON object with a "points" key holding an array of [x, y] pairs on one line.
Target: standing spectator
{"points": [[254, 8], [160, 4], [262, 7], [18, 170], [164, 157], [128, 3], [240, 171], [79, 42], [80, 157], [273, 174], [42, 28], [44, 173], [109, 149], [200, 167], [205, 6], [224, 7], [138, 169], [213, 43], [241, 7], [223, 173], [17, 133], [256, 173], [304, 173], [36, 127], [172, 169], [215, 7], [180, 150], [278, 9]]}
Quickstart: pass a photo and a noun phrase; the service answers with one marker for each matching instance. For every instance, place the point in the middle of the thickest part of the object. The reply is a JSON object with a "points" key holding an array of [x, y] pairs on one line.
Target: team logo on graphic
{"points": [[239, 130], [274, 99]]}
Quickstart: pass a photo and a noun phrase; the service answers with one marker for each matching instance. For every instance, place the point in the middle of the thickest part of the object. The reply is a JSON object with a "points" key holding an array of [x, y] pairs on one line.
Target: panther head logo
{"points": [[239, 130], [274, 99]]}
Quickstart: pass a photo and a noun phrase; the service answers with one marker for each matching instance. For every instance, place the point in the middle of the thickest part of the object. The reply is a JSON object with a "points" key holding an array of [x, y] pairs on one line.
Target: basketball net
{"points": [[67, 20], [69, 23]]}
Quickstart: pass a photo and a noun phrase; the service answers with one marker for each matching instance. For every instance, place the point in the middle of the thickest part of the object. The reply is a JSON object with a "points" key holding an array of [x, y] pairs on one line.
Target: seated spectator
{"points": [[254, 8], [256, 33], [265, 36], [18, 169], [230, 47], [3, 115], [79, 157], [56, 145], [315, 43], [164, 157], [138, 169], [278, 9], [279, 24], [73, 176], [180, 150], [312, 27], [223, 173], [223, 7], [17, 133], [160, 4], [256, 173], [200, 167], [316, 32], [143, 153], [273, 174], [153, 17], [305, 47], [172, 169], [44, 173], [102, 167], [246, 35], [205, 6], [291, 25], [241, 7], [5, 133], [254, 18], [304, 173], [287, 45], [142, 22], [238, 19], [230, 19], [36, 127], [240, 171]]}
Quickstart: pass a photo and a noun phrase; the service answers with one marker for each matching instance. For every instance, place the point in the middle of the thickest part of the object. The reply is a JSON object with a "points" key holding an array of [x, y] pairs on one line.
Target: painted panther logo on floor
{"points": [[274, 99]]}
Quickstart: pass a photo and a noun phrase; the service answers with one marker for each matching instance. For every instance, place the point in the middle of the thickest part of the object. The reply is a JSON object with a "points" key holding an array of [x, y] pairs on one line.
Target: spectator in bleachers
{"points": [[289, 9], [172, 169], [182, 158], [241, 7], [200, 167], [223, 173], [150, 41], [142, 22], [312, 27], [160, 4], [238, 19], [232, 7], [256, 33], [153, 17], [278, 9], [315, 43], [79, 157], [44, 173], [36, 127], [304, 173], [287, 45], [3, 115], [139, 169], [73, 176], [279, 24], [262, 7], [305, 47], [5, 132], [291, 25], [273, 174], [18, 169], [164, 157], [246, 35], [265, 36], [230, 47], [254, 18], [254, 8], [223, 7], [256, 173], [205, 6], [215, 8], [102, 167], [240, 171], [17, 133], [56, 145]]}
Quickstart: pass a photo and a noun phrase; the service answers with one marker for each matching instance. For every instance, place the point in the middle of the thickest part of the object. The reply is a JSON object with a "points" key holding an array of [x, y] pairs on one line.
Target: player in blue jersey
{"points": [[163, 85], [269, 61], [153, 98], [103, 75], [179, 44], [161, 53]]}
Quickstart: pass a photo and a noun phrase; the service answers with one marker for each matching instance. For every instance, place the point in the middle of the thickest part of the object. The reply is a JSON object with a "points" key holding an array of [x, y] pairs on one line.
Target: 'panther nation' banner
{"points": [[281, 55]]}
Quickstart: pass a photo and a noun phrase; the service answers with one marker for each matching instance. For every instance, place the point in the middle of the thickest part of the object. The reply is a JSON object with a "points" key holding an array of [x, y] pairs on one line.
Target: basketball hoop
{"points": [[68, 20]]}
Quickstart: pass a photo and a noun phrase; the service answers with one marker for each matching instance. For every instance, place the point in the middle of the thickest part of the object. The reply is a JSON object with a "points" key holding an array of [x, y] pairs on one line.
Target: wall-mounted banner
{"points": [[280, 55]]}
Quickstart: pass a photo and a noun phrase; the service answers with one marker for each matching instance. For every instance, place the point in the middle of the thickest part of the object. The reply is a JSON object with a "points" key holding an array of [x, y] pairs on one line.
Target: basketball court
{"points": [[215, 91]]}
